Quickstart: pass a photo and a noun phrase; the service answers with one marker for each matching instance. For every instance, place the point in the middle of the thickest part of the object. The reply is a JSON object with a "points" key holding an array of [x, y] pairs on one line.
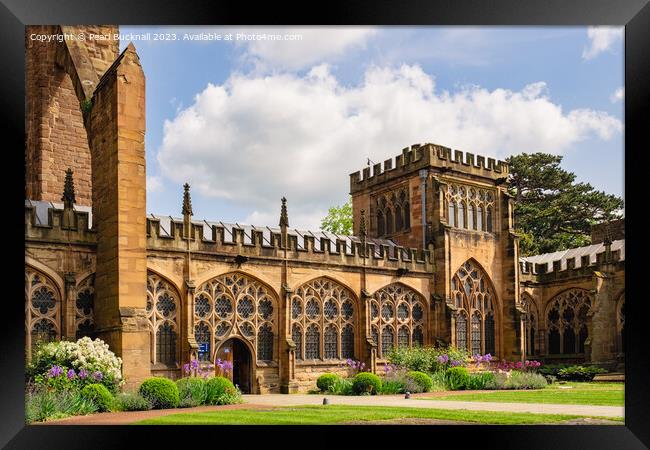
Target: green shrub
{"points": [[192, 391], [43, 404], [161, 392], [579, 373], [525, 380], [221, 391], [497, 382], [423, 380], [341, 386], [99, 395], [457, 378], [325, 381], [131, 401], [480, 380], [552, 369], [366, 383]]}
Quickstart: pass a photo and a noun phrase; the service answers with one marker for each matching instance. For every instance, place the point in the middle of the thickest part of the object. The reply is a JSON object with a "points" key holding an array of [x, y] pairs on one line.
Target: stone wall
{"points": [[55, 84]]}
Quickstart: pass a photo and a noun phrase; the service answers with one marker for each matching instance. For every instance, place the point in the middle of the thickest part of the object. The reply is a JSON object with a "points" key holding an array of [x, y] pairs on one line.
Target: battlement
{"points": [[46, 222], [168, 234], [420, 156], [572, 262]]}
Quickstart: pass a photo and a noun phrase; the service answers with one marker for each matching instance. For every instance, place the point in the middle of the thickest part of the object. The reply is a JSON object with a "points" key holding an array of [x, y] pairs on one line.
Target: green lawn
{"points": [[333, 414], [600, 394]]}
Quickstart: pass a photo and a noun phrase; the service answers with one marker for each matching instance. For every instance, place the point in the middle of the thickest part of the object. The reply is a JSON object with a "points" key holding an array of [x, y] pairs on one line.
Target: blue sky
{"points": [[248, 121]]}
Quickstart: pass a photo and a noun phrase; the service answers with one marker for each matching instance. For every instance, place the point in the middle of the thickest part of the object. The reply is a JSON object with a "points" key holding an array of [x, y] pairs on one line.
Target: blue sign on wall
{"points": [[204, 347]]}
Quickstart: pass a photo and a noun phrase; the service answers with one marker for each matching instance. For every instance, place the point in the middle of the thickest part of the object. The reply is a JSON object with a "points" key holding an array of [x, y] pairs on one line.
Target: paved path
{"points": [[395, 400]]}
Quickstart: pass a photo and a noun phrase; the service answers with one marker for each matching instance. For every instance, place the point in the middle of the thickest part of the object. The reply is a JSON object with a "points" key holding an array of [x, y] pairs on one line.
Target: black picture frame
{"points": [[633, 14]]}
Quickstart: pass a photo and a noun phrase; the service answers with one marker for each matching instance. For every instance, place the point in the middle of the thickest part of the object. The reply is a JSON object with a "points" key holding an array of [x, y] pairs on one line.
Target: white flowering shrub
{"points": [[88, 359]]}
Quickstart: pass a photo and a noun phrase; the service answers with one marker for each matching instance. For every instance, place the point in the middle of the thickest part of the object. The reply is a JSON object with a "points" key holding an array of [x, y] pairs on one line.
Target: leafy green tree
{"points": [[339, 219], [552, 211]]}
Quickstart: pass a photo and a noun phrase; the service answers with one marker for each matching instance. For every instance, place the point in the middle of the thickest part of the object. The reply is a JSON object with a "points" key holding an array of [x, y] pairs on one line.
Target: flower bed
{"points": [[84, 377]]}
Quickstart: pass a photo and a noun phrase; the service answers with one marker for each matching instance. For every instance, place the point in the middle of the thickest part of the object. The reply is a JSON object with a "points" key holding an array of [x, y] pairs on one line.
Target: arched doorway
{"points": [[239, 355]]}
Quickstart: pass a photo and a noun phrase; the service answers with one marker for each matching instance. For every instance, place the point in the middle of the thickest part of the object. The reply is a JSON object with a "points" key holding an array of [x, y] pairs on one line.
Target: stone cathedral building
{"points": [[433, 260]]}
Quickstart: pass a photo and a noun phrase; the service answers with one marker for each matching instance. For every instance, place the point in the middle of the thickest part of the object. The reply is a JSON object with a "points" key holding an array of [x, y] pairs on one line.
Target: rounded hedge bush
{"points": [[325, 381], [132, 401], [192, 391], [99, 395], [366, 383], [423, 380], [457, 378], [161, 392], [218, 390]]}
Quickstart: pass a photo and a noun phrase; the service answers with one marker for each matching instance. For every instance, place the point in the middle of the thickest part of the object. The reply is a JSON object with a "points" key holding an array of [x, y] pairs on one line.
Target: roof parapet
{"points": [[419, 156]]}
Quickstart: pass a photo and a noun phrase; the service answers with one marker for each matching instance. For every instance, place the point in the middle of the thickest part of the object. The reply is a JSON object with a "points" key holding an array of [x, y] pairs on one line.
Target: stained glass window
{"points": [[296, 308], [202, 306], [331, 343], [296, 336], [245, 307], [165, 304], [265, 308], [330, 309], [166, 344], [461, 331], [347, 342], [476, 334], [387, 341], [418, 337], [403, 337], [43, 299], [265, 343], [489, 334], [312, 342]]}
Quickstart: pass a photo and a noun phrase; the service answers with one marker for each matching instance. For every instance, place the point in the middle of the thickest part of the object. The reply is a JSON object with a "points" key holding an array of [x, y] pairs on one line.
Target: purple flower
{"points": [[194, 364], [98, 376], [71, 374], [443, 359], [186, 368], [487, 358], [83, 374], [455, 363], [55, 371]]}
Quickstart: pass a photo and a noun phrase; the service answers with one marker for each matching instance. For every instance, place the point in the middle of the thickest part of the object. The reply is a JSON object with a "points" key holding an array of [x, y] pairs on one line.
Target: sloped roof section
{"points": [[577, 253]]}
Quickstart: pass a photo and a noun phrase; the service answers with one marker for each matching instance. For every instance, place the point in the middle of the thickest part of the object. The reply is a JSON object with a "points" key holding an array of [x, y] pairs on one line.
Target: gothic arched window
{"points": [[330, 308], [461, 330], [407, 215], [471, 213], [461, 215], [530, 324], [162, 309], [381, 229], [312, 342], [42, 310], [265, 343], [389, 221], [166, 344], [452, 213], [474, 297], [479, 219], [84, 307], [398, 312], [566, 322], [488, 219], [296, 336], [236, 304], [399, 219]]}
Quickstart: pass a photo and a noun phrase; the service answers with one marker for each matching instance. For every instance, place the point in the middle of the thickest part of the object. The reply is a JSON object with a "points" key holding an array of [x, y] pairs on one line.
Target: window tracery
{"points": [[330, 312], [473, 298], [400, 319], [84, 308], [531, 324], [235, 304], [469, 207], [42, 310], [162, 314], [393, 211], [566, 322]]}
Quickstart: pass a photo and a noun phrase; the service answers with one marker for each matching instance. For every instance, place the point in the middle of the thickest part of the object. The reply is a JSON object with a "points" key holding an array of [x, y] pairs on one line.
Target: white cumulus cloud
{"points": [[618, 95], [601, 39], [304, 46], [255, 138]]}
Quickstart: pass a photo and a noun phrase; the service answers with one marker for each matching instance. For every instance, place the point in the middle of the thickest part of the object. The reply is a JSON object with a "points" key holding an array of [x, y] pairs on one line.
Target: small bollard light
{"points": [[326, 401], [407, 395]]}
